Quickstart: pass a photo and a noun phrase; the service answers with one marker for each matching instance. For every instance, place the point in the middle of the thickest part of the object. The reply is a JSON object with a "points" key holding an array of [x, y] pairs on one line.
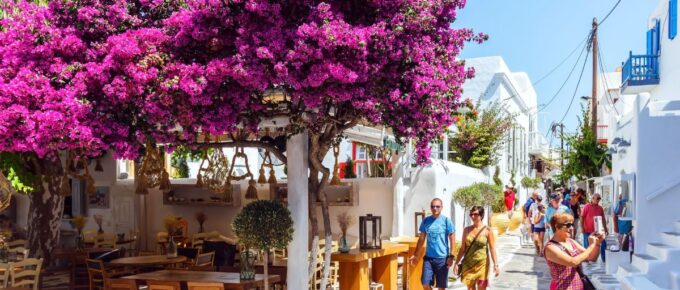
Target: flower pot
{"points": [[247, 263], [500, 221], [344, 246], [516, 220]]}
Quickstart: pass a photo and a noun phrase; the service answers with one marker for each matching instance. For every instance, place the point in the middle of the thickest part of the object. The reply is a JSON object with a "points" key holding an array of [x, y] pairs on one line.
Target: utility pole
{"points": [[593, 106], [561, 146]]}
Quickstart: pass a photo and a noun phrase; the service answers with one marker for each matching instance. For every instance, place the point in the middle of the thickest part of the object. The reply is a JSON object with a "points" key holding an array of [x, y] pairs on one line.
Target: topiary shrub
{"points": [[264, 225]]}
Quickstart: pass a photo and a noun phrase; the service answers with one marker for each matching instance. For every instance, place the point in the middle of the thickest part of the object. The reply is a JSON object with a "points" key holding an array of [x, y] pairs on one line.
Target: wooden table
{"points": [[278, 267], [147, 261], [354, 266], [118, 242], [230, 280], [412, 279]]}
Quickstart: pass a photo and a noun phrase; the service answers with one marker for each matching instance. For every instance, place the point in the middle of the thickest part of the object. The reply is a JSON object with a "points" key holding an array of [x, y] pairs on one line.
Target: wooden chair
{"points": [[203, 269], [89, 235], [122, 284], [4, 275], [197, 240], [205, 286], [190, 253], [162, 285], [20, 252], [17, 243], [97, 274], [26, 273], [105, 240], [205, 259]]}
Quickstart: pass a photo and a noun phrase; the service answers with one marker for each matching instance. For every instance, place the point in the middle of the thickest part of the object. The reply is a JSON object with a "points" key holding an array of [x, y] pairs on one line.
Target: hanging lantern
{"points": [[370, 229], [336, 178], [152, 166], [90, 189], [199, 176], [251, 193], [261, 179], [98, 166], [217, 171], [65, 188]]}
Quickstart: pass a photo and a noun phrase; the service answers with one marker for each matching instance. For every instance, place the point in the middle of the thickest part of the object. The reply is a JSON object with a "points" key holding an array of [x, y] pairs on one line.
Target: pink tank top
{"points": [[564, 277]]}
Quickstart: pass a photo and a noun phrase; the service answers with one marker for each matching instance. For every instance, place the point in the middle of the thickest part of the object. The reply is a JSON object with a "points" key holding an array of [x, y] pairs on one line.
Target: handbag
{"points": [[460, 265], [587, 285]]}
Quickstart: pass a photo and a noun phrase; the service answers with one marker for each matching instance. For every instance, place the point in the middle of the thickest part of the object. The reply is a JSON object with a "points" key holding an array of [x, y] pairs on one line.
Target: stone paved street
{"points": [[520, 268]]}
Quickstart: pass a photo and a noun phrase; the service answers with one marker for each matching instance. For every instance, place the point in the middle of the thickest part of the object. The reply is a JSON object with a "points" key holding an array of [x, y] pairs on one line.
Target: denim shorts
{"points": [[435, 269]]}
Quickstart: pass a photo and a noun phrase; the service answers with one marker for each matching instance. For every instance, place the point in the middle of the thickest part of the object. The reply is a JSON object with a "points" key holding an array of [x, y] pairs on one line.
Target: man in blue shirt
{"points": [[555, 207], [441, 241]]}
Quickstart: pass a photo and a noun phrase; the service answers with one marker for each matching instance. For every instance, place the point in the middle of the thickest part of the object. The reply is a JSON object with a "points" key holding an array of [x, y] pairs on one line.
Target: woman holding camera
{"points": [[564, 255], [478, 240]]}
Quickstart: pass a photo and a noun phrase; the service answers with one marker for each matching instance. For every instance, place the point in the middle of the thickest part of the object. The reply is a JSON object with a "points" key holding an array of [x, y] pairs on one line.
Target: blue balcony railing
{"points": [[640, 70]]}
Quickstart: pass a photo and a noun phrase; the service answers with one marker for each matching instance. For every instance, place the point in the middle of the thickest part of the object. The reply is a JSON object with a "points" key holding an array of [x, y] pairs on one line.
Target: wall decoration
{"points": [[100, 199]]}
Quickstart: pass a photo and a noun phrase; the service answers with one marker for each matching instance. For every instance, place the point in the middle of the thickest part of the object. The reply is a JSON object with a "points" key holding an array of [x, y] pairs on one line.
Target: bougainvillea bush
{"points": [[92, 75]]}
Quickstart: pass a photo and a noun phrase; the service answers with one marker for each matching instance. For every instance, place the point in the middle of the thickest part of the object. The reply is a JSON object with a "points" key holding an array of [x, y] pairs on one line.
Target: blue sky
{"points": [[535, 35]]}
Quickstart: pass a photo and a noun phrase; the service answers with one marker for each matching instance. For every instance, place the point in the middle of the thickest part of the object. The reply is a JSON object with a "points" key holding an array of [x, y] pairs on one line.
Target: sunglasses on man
{"points": [[435, 206], [474, 214]]}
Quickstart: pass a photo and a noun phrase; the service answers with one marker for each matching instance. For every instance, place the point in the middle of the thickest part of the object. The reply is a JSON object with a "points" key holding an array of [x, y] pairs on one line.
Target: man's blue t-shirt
{"points": [[527, 207], [437, 230], [550, 212]]}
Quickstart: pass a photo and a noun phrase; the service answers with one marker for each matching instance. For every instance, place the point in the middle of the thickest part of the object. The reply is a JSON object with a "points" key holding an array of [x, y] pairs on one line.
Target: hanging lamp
{"points": [[336, 178]]}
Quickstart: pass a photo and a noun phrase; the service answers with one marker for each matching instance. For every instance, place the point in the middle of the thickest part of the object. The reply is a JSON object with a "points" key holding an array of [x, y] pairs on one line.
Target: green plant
{"points": [[478, 140], [22, 180], [496, 177], [529, 182], [180, 164], [512, 178], [478, 193], [349, 169], [264, 225], [586, 155]]}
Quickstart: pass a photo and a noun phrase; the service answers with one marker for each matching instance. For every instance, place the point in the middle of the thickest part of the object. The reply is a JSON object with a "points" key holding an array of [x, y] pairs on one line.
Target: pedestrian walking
{"points": [[509, 195], [575, 202], [564, 255], [538, 229], [556, 206], [441, 244], [590, 211], [527, 228], [473, 255]]}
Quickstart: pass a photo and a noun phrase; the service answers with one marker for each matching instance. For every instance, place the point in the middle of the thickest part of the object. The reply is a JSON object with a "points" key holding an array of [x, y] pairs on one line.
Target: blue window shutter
{"points": [[672, 18], [657, 37], [650, 40]]}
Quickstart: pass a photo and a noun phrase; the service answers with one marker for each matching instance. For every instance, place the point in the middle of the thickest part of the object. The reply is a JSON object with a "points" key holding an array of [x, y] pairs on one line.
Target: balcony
{"points": [[538, 145], [640, 74], [602, 134]]}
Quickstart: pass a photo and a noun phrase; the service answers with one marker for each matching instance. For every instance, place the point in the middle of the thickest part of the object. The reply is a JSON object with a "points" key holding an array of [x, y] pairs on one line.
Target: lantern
{"points": [[370, 229], [418, 220]]}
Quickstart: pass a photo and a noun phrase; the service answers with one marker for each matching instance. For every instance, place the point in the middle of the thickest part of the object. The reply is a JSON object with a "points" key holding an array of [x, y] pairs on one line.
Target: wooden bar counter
{"points": [[353, 270], [414, 272]]}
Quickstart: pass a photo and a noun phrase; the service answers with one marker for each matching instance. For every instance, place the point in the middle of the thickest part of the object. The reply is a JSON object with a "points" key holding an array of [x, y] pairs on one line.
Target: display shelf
{"points": [[190, 195], [346, 194]]}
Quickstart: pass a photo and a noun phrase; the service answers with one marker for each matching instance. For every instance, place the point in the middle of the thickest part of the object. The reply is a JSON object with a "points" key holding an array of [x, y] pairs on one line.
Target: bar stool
{"points": [[376, 286]]}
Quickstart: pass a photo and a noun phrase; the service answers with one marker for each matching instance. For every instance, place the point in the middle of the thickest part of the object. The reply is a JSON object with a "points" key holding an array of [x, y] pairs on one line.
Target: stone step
{"points": [[638, 282], [626, 270], [605, 282], [671, 238], [663, 251], [644, 262]]}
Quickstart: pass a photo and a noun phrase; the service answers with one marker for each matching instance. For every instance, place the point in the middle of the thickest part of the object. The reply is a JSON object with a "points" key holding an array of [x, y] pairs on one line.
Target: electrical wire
{"points": [[605, 82], [545, 105], [577, 83], [610, 13], [561, 62]]}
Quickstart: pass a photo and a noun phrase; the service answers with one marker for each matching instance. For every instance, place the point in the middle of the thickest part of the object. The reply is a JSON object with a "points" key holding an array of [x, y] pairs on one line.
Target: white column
{"points": [[398, 194], [298, 172]]}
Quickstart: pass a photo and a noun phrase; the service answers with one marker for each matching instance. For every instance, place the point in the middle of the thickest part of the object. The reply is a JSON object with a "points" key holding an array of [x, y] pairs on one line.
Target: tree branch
{"points": [[257, 144]]}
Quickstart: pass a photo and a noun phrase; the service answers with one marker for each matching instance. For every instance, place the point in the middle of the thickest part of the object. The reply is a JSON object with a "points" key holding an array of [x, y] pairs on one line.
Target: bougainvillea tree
{"points": [[130, 72]]}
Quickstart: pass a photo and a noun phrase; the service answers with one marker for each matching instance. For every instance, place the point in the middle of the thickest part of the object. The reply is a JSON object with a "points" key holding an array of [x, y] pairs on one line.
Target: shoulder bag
{"points": [[460, 265], [587, 285]]}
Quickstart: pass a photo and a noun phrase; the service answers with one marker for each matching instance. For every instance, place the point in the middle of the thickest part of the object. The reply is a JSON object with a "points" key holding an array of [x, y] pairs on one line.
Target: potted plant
{"points": [[170, 222], [262, 225], [79, 222], [349, 169], [345, 220], [478, 193], [200, 218], [99, 219]]}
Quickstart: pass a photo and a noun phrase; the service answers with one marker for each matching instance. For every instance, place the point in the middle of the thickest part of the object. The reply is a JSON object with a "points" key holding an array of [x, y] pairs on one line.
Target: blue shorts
{"points": [[538, 230], [435, 269]]}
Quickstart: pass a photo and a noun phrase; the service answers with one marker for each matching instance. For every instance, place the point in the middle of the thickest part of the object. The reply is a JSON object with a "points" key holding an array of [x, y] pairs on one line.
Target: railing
{"points": [[640, 70], [602, 133], [538, 143]]}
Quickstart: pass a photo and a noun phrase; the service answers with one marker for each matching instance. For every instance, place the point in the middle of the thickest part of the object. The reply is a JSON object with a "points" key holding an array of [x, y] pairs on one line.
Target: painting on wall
{"points": [[100, 199]]}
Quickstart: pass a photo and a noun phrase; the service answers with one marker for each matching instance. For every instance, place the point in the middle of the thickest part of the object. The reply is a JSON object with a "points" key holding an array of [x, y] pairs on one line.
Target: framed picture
{"points": [[100, 199], [279, 191]]}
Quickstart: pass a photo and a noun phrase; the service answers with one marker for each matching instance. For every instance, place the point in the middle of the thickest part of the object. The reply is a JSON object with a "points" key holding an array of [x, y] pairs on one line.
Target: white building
{"points": [[644, 142]]}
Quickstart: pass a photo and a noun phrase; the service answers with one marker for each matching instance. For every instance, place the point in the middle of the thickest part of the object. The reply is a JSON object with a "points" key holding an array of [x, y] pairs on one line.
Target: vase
{"points": [[200, 227], [172, 248], [100, 231], [247, 263], [515, 220], [500, 221], [344, 246]]}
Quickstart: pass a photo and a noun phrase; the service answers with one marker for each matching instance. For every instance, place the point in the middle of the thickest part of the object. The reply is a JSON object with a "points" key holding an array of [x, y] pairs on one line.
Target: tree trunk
{"points": [[318, 149], [45, 212], [313, 184], [266, 269]]}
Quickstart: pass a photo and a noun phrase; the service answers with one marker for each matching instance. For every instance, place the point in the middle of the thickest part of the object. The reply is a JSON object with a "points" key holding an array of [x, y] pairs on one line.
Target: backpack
{"points": [[527, 206]]}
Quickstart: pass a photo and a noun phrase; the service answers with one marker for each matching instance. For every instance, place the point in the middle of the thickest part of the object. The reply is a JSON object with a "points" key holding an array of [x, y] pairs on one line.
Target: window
{"points": [[653, 45], [361, 152], [672, 18], [361, 170]]}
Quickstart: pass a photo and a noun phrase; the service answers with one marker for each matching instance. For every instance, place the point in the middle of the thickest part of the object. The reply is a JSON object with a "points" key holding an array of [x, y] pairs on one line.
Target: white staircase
{"points": [[658, 269]]}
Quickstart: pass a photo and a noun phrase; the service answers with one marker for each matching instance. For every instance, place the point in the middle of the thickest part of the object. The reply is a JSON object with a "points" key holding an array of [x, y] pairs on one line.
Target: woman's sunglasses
{"points": [[567, 225]]}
